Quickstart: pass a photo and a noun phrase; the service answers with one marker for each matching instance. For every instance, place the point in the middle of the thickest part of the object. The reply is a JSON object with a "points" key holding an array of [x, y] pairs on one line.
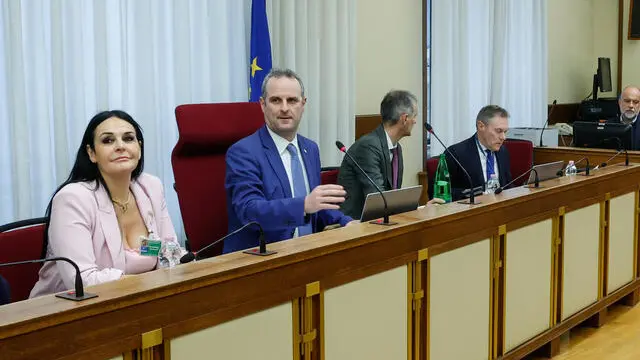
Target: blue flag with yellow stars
{"points": [[260, 62]]}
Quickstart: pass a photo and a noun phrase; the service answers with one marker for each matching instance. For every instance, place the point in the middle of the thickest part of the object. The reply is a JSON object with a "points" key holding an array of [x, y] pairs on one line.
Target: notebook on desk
{"points": [[398, 201], [546, 171]]}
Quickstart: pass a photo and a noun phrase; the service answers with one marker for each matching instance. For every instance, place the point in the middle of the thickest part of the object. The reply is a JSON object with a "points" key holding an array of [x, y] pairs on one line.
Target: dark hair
{"points": [[395, 103], [84, 170], [277, 74], [489, 112]]}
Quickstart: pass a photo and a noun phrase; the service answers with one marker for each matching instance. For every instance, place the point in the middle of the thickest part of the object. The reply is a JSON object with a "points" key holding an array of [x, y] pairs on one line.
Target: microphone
{"points": [[76, 295], [262, 248], [536, 181], [626, 159], [471, 195], [385, 220], [553, 106], [586, 171]]}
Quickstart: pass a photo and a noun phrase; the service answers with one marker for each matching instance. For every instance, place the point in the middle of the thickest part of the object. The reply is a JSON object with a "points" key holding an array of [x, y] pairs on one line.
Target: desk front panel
{"points": [[581, 254], [459, 302], [622, 215]]}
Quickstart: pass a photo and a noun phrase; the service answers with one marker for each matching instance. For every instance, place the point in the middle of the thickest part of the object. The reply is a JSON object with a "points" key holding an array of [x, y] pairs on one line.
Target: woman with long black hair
{"points": [[107, 208]]}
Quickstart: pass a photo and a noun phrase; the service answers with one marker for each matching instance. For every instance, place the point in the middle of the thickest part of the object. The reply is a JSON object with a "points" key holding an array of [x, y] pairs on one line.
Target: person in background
{"points": [[273, 175], [629, 104], [379, 153], [107, 207], [482, 154]]}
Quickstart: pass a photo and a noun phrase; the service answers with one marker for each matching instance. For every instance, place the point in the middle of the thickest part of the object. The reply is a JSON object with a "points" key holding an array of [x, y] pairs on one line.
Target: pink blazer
{"points": [[85, 229]]}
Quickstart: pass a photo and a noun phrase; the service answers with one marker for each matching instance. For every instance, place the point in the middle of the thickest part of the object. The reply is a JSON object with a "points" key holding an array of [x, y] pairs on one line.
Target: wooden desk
{"points": [[449, 282], [543, 155]]}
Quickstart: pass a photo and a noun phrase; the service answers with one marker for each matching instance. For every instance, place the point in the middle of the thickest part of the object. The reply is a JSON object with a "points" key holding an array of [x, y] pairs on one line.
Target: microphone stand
{"points": [[77, 294], [261, 251], [472, 192], [535, 185], [553, 106], [385, 219]]}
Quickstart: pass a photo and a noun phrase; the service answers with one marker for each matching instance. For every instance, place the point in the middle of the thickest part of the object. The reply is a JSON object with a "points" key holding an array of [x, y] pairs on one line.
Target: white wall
{"points": [[389, 56], [630, 53], [579, 32]]}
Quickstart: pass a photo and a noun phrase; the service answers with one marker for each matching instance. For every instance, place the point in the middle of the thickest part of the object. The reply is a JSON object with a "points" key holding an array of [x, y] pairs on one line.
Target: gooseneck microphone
{"points": [[77, 294], [262, 246], [472, 195], [586, 170], [536, 181], [385, 219], [553, 106], [626, 158]]}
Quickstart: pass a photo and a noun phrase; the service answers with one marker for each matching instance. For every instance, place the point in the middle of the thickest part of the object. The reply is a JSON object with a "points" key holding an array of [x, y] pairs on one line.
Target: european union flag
{"points": [[260, 48]]}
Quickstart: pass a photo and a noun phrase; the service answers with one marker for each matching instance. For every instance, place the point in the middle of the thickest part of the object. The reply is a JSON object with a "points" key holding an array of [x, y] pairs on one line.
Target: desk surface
{"points": [[233, 285]]}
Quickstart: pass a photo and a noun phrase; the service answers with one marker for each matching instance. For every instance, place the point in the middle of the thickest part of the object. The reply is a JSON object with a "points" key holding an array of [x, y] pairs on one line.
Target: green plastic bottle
{"points": [[442, 182]]}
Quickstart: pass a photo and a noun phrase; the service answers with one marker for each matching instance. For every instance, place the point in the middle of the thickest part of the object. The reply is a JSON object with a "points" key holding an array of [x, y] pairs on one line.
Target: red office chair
{"points": [[205, 133], [329, 175], [521, 158], [19, 241]]}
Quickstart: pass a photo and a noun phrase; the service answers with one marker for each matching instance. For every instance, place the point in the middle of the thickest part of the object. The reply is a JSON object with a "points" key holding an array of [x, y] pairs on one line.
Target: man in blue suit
{"points": [[273, 175], [482, 154]]}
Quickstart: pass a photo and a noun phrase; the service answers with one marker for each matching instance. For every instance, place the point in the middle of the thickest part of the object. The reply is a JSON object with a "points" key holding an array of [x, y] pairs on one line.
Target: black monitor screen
{"points": [[602, 135], [604, 74]]}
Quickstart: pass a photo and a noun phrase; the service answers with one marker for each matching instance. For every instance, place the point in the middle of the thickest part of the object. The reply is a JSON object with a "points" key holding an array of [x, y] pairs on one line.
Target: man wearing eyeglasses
{"points": [[482, 154], [629, 103]]}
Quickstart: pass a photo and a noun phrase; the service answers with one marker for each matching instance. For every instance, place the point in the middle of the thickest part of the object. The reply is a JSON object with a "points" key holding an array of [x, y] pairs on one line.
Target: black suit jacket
{"points": [[5, 295], [467, 153], [372, 153]]}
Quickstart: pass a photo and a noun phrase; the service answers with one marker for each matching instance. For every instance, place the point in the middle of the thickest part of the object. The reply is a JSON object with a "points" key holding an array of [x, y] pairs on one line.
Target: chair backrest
{"points": [[206, 131], [19, 241], [521, 157], [432, 167], [329, 175]]}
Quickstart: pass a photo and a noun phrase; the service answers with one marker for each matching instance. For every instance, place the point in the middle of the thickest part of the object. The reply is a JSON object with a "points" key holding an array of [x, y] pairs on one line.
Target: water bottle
{"points": [[442, 182], [571, 169], [492, 184]]}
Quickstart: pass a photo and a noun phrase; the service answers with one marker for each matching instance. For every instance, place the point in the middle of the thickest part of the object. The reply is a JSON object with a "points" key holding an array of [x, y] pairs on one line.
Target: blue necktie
{"points": [[490, 166], [299, 188]]}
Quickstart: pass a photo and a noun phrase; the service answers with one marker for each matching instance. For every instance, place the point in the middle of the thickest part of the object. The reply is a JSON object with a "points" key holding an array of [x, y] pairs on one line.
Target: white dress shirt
{"points": [[391, 146], [285, 156], [482, 151]]}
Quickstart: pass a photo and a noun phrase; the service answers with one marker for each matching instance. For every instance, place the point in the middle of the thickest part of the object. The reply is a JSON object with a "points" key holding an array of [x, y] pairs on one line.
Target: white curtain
{"points": [[316, 38], [62, 61], [487, 52]]}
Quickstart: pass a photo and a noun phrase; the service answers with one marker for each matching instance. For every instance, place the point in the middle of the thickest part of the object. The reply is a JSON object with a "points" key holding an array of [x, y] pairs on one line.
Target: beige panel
{"points": [[527, 282], [621, 226], [117, 358], [264, 335], [581, 250], [460, 283], [377, 71], [367, 319]]}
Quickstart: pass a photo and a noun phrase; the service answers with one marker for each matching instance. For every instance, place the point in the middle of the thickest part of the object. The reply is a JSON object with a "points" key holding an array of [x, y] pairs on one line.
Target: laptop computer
{"points": [[398, 201], [546, 171]]}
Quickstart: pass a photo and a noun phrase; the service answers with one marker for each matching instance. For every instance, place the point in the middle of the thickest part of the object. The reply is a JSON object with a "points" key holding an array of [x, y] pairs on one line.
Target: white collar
{"points": [[282, 143], [389, 143], [482, 147]]}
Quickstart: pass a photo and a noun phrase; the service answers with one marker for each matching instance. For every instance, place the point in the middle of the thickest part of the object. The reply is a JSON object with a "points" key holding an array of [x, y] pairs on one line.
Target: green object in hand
{"points": [[442, 182]]}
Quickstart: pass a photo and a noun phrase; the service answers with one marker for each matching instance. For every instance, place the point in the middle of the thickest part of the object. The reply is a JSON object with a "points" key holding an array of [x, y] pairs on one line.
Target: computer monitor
{"points": [[398, 201], [604, 135], [604, 74]]}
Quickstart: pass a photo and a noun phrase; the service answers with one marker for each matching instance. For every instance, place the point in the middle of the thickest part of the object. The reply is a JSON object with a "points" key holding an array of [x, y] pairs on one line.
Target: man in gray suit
{"points": [[378, 152]]}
